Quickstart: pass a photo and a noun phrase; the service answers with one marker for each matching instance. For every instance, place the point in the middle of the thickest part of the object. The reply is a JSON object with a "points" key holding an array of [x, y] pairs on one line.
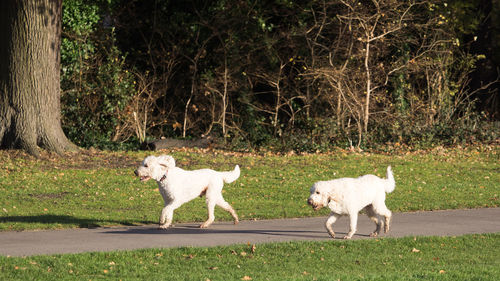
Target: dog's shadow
{"points": [[195, 230], [146, 229]]}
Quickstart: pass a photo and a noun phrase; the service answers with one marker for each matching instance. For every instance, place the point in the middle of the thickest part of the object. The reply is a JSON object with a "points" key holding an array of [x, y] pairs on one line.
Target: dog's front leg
{"points": [[353, 218], [166, 217], [167, 213], [329, 223]]}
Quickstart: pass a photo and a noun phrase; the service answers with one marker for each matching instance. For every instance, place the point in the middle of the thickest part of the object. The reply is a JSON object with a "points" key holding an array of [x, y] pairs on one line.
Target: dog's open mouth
{"points": [[144, 178], [317, 207]]}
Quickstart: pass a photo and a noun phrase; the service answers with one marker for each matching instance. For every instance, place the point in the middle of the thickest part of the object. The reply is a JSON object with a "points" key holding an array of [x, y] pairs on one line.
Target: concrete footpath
{"points": [[436, 223]]}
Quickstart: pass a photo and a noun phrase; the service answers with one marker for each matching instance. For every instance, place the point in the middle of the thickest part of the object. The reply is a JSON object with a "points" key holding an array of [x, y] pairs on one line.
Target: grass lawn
{"points": [[98, 188], [470, 257]]}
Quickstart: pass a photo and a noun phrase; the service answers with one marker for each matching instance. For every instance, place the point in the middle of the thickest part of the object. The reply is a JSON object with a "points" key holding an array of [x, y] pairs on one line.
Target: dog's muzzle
{"points": [[141, 178], [315, 206]]}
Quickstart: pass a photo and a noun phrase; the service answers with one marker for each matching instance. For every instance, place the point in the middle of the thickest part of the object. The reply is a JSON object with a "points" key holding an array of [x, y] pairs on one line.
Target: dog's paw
{"points": [[374, 234], [347, 237], [204, 225], [163, 226], [236, 221]]}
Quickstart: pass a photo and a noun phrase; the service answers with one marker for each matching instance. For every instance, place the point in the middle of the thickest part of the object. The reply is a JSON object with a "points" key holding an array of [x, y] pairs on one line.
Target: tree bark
{"points": [[30, 37]]}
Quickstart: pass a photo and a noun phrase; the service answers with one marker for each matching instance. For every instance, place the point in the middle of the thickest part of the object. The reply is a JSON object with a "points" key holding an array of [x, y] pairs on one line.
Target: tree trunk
{"points": [[30, 37]]}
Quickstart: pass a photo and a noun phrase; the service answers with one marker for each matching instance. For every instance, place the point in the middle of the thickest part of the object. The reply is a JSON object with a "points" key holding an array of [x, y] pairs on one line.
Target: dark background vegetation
{"points": [[281, 75]]}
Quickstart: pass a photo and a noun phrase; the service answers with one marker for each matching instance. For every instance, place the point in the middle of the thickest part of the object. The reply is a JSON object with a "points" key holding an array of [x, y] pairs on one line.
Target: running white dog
{"points": [[348, 196], [178, 186]]}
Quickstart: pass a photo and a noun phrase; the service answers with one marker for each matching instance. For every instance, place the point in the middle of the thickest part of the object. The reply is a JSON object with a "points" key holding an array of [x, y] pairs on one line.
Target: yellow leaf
{"points": [[246, 278], [253, 248], [415, 250]]}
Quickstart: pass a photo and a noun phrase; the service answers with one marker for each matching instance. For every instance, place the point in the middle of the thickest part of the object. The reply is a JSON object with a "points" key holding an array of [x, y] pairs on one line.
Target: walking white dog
{"points": [[348, 196], [178, 186]]}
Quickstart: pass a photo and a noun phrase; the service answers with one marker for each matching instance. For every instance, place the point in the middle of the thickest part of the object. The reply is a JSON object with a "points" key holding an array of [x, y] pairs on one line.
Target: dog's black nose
{"points": [[309, 201], [136, 172]]}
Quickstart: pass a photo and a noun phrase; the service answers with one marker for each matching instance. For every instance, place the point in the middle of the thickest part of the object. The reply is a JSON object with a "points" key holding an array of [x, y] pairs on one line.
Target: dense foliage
{"points": [[302, 75]]}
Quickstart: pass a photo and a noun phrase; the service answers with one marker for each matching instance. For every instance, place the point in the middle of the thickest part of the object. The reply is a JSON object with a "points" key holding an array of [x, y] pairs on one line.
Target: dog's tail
{"points": [[391, 183], [231, 176]]}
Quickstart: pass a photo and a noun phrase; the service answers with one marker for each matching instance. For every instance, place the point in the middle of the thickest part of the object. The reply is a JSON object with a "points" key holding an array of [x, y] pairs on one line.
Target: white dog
{"points": [[178, 186], [348, 196]]}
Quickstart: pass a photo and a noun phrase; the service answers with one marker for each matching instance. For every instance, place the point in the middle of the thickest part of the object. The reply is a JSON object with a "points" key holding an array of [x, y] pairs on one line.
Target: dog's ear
{"points": [[166, 161], [333, 197]]}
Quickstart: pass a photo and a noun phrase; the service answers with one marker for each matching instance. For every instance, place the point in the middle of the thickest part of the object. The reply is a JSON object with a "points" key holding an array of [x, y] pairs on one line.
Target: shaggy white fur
{"points": [[178, 186], [348, 196]]}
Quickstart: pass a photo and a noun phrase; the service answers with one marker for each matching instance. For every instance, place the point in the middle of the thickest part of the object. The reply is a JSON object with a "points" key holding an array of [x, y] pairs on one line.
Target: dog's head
{"points": [[153, 167], [319, 196]]}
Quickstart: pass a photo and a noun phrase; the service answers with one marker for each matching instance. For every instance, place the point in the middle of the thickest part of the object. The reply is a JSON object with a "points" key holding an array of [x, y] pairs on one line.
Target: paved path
{"points": [[440, 223]]}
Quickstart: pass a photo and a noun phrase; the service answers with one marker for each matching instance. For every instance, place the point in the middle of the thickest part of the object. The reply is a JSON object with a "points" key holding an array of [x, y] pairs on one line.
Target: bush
{"points": [[95, 82]]}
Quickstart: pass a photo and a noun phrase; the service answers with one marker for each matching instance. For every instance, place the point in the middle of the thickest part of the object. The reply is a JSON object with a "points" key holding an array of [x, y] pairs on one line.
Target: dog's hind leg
{"points": [[382, 210], [224, 205], [329, 224], [387, 223], [210, 210], [374, 217]]}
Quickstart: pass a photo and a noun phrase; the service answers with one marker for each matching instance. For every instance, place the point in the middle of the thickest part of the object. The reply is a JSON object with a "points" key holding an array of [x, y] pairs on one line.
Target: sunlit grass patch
{"points": [[470, 257], [99, 188]]}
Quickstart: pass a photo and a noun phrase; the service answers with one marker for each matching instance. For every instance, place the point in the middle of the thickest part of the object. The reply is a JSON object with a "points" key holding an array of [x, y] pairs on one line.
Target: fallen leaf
{"points": [[246, 278], [415, 250], [190, 256]]}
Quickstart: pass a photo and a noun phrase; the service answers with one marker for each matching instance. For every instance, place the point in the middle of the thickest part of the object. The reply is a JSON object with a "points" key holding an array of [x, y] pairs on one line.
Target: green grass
{"points": [[99, 188], [471, 257]]}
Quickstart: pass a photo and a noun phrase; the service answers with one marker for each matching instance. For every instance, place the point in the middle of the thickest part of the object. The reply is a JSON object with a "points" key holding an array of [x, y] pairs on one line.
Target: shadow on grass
{"points": [[68, 220]]}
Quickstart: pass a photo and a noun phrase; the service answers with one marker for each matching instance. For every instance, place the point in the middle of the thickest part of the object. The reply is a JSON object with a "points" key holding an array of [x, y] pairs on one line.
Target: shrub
{"points": [[95, 82]]}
